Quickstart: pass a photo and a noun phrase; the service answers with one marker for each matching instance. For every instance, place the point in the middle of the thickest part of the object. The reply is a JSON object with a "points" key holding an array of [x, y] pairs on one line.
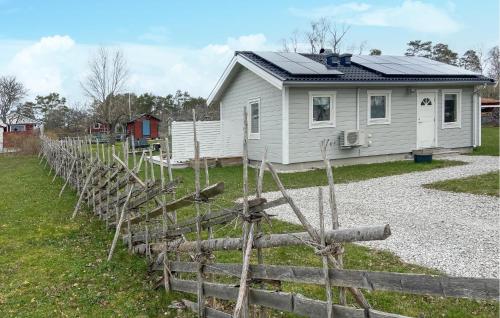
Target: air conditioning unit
{"points": [[351, 138]]}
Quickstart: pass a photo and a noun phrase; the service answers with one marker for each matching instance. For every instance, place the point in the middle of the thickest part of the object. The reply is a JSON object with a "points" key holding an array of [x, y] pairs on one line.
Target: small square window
{"points": [[321, 109], [379, 107]]}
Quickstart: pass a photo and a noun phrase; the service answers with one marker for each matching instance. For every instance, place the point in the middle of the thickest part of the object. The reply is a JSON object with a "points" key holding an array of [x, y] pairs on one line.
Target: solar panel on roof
{"points": [[295, 63], [408, 65]]}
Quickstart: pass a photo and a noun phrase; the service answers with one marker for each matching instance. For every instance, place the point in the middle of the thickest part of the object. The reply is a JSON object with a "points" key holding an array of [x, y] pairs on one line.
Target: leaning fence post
{"points": [[333, 210], [241, 308], [360, 298]]}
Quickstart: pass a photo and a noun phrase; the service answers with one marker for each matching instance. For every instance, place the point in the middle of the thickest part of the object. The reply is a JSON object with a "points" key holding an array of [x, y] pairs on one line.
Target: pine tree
{"points": [[471, 61], [442, 53], [419, 48]]}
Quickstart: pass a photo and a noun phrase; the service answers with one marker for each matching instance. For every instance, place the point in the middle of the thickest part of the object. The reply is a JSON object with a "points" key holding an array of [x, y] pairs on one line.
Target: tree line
{"points": [[110, 103], [323, 33]]}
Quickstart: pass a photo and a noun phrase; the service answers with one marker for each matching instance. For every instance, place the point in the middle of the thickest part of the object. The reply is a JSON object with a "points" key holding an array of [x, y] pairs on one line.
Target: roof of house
{"points": [[353, 74], [142, 115], [13, 119], [489, 101]]}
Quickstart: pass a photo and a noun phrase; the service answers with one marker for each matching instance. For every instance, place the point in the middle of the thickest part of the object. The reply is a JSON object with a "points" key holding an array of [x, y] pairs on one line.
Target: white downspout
{"points": [[285, 133], [479, 123], [357, 108], [476, 118]]}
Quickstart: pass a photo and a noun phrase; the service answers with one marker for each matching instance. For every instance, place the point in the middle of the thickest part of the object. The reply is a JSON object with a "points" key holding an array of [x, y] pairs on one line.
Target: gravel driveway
{"points": [[456, 233]]}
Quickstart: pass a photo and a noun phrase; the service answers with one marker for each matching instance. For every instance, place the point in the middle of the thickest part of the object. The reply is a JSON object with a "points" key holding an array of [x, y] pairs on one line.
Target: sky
{"points": [[186, 45]]}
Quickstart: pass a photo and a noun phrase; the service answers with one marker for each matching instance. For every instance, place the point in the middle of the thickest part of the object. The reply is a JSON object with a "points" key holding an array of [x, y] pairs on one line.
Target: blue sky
{"points": [[186, 44]]}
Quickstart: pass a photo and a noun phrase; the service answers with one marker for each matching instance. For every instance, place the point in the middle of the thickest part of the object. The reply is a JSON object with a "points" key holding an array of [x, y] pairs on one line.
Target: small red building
{"points": [[143, 126], [17, 123], [99, 128]]}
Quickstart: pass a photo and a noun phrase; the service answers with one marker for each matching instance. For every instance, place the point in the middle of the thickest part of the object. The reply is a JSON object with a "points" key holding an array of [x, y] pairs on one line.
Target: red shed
{"points": [[143, 126]]}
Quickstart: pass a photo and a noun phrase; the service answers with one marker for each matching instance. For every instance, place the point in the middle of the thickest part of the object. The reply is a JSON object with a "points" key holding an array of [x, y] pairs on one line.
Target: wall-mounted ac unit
{"points": [[351, 138]]}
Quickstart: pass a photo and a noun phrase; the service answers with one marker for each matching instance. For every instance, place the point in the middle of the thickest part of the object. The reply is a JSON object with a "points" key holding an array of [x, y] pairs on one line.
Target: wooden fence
{"points": [[176, 234]]}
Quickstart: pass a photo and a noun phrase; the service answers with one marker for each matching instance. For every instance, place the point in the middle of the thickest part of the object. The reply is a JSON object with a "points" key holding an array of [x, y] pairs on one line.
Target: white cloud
{"points": [[43, 66], [410, 14], [331, 10], [58, 63]]}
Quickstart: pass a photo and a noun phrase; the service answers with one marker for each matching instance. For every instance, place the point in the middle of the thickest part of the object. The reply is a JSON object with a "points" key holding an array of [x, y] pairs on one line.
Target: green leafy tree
{"points": [[471, 61], [442, 53], [375, 52], [44, 104], [419, 48]]}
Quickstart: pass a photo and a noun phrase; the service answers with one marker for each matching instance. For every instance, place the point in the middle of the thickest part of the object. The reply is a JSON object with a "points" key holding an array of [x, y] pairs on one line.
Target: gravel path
{"points": [[456, 233]]}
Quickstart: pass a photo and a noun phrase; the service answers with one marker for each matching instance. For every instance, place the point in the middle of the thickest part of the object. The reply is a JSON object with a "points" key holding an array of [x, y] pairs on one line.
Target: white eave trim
{"points": [[238, 59]]}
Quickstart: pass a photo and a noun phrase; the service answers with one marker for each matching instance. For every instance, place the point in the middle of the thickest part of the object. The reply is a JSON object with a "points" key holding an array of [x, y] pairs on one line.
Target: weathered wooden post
{"points": [[328, 287], [333, 210], [241, 308], [201, 294]]}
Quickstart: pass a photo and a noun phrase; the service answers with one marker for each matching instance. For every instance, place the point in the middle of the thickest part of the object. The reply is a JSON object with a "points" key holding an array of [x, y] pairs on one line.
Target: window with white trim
{"points": [[379, 107], [253, 114], [452, 100], [322, 109]]}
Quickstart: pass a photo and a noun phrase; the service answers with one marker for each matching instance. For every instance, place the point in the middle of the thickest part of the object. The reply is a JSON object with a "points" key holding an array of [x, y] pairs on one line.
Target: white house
{"points": [[373, 108]]}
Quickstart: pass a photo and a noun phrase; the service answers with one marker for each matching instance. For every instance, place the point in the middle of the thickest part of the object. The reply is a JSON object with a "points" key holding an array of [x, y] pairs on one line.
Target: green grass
{"points": [[50, 265], [485, 184], [490, 142]]}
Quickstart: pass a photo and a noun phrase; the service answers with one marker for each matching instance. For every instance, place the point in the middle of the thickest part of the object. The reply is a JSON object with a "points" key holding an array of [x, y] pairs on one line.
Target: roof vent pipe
{"points": [[345, 59], [332, 59]]}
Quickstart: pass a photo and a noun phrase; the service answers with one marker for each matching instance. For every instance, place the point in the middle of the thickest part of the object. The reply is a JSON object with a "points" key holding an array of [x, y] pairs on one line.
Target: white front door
{"points": [[426, 119]]}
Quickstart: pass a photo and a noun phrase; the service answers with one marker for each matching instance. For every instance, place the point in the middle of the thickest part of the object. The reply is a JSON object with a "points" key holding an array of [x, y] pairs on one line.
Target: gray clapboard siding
{"points": [[246, 85], [457, 137], [400, 136]]}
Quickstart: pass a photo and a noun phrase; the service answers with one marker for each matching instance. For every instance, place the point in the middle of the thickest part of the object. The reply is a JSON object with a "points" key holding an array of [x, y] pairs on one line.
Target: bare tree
{"points": [[285, 47], [11, 92], [294, 40], [312, 37], [337, 34], [107, 77], [494, 63], [362, 47]]}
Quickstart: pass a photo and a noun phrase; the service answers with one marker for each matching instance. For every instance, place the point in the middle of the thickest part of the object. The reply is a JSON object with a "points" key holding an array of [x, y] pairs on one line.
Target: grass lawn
{"points": [[490, 142], [486, 184], [50, 265]]}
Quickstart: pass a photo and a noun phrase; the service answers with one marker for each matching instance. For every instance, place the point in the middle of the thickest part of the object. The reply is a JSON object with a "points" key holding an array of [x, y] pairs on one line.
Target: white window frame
{"points": [[458, 122], [251, 101], [333, 105], [388, 97]]}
